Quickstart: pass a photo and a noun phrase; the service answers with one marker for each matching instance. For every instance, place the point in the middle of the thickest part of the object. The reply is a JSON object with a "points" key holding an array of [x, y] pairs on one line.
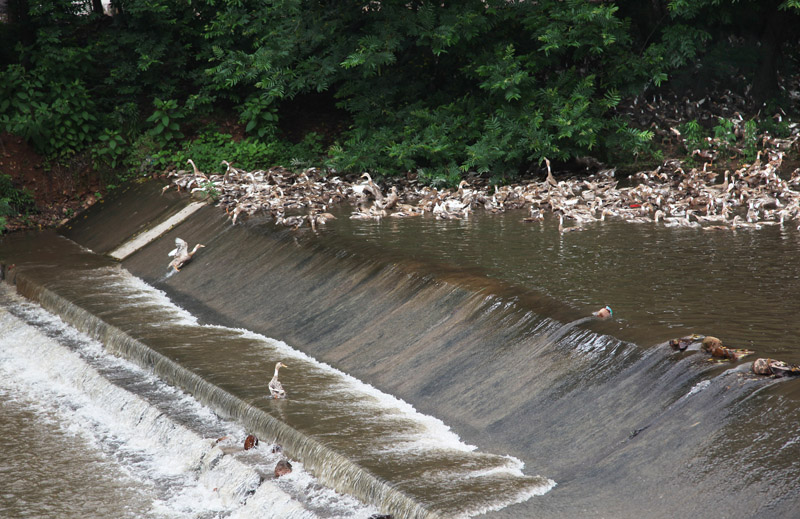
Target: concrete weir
{"points": [[214, 330], [417, 381]]}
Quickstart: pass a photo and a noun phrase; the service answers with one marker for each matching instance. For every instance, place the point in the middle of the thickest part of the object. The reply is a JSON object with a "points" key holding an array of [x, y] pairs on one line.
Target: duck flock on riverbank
{"points": [[672, 195]]}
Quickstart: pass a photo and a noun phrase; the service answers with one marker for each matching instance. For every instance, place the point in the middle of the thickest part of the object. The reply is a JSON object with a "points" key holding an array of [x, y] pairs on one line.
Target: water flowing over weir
{"points": [[361, 437], [625, 430], [160, 453]]}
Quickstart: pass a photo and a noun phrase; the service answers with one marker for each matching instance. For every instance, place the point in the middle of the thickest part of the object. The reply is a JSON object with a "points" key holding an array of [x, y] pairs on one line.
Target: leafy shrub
{"points": [[750, 140], [211, 147], [442, 88], [725, 132], [632, 142], [260, 117], [110, 149], [694, 135], [56, 117], [778, 128], [14, 201], [166, 121]]}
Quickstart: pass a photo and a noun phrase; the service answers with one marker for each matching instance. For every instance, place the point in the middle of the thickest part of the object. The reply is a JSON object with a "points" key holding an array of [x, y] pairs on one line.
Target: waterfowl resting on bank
{"points": [[181, 254], [275, 387]]}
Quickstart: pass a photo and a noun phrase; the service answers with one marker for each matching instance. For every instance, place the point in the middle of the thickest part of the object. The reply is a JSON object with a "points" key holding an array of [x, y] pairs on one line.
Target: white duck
{"points": [[181, 254], [275, 387]]}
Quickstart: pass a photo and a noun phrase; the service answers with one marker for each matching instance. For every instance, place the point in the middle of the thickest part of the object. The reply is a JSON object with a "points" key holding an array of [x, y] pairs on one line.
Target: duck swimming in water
{"points": [[714, 347], [181, 254], [778, 368], [275, 387], [603, 313], [562, 229]]}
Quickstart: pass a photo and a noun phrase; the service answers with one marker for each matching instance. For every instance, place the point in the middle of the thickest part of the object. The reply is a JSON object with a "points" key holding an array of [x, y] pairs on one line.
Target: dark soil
{"points": [[59, 191]]}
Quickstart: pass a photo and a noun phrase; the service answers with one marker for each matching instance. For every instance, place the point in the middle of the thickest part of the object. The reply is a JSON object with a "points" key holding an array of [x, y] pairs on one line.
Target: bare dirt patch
{"points": [[59, 191]]}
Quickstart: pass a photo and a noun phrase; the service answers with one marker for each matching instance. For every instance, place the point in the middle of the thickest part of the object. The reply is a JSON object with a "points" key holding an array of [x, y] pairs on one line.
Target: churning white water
{"points": [[89, 434]]}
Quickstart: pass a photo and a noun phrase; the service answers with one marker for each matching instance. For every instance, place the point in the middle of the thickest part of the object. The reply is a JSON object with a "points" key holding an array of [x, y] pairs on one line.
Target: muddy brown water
{"points": [[482, 325]]}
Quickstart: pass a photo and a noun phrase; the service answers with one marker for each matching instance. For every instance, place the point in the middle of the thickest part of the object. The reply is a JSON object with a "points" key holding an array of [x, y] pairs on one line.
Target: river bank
{"points": [[703, 181]]}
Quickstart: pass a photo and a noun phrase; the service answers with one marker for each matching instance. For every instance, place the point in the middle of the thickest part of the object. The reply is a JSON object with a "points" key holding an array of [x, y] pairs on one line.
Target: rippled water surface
{"points": [[49, 470], [741, 286], [482, 324]]}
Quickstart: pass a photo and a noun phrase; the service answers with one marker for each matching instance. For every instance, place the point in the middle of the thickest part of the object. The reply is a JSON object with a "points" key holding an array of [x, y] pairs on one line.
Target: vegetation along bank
{"points": [[434, 92]]}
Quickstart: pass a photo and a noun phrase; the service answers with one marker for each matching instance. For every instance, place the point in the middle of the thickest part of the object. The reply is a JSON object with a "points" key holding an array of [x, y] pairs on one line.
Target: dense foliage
{"points": [[440, 88]]}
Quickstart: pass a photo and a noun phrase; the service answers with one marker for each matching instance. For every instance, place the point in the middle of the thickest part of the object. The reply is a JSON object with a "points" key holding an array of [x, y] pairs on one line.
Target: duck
{"points": [[739, 224], [315, 219], [181, 254], [550, 179], [563, 229], [603, 313], [275, 387], [714, 347], [716, 228], [682, 343], [391, 199], [290, 221], [536, 215], [778, 368], [371, 187], [197, 172]]}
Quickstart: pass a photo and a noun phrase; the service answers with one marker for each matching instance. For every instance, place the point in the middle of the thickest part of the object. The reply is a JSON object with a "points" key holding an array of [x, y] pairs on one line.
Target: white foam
{"points": [[520, 497], [698, 387], [433, 432], [136, 290], [189, 474], [426, 433]]}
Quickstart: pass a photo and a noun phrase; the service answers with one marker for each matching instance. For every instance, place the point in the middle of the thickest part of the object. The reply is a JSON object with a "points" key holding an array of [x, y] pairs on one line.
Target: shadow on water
{"points": [[465, 320]]}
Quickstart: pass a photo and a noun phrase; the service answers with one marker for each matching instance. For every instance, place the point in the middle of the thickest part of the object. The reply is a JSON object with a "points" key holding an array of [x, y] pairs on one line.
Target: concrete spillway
{"points": [[427, 389]]}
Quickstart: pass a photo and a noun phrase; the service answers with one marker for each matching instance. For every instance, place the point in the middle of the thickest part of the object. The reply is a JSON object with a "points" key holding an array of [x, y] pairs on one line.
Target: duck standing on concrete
{"points": [[275, 387], [181, 254]]}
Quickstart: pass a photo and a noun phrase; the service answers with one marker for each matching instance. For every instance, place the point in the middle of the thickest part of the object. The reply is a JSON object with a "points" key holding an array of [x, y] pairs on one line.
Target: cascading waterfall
{"points": [[622, 424], [374, 446], [237, 486]]}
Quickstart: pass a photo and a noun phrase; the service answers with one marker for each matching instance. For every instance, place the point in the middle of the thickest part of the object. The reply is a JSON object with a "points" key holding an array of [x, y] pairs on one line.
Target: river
{"points": [[455, 360]]}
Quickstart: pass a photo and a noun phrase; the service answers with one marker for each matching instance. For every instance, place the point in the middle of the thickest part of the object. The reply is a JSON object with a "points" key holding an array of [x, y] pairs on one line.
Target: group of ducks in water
{"points": [[750, 197], [719, 353], [709, 344], [713, 346]]}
